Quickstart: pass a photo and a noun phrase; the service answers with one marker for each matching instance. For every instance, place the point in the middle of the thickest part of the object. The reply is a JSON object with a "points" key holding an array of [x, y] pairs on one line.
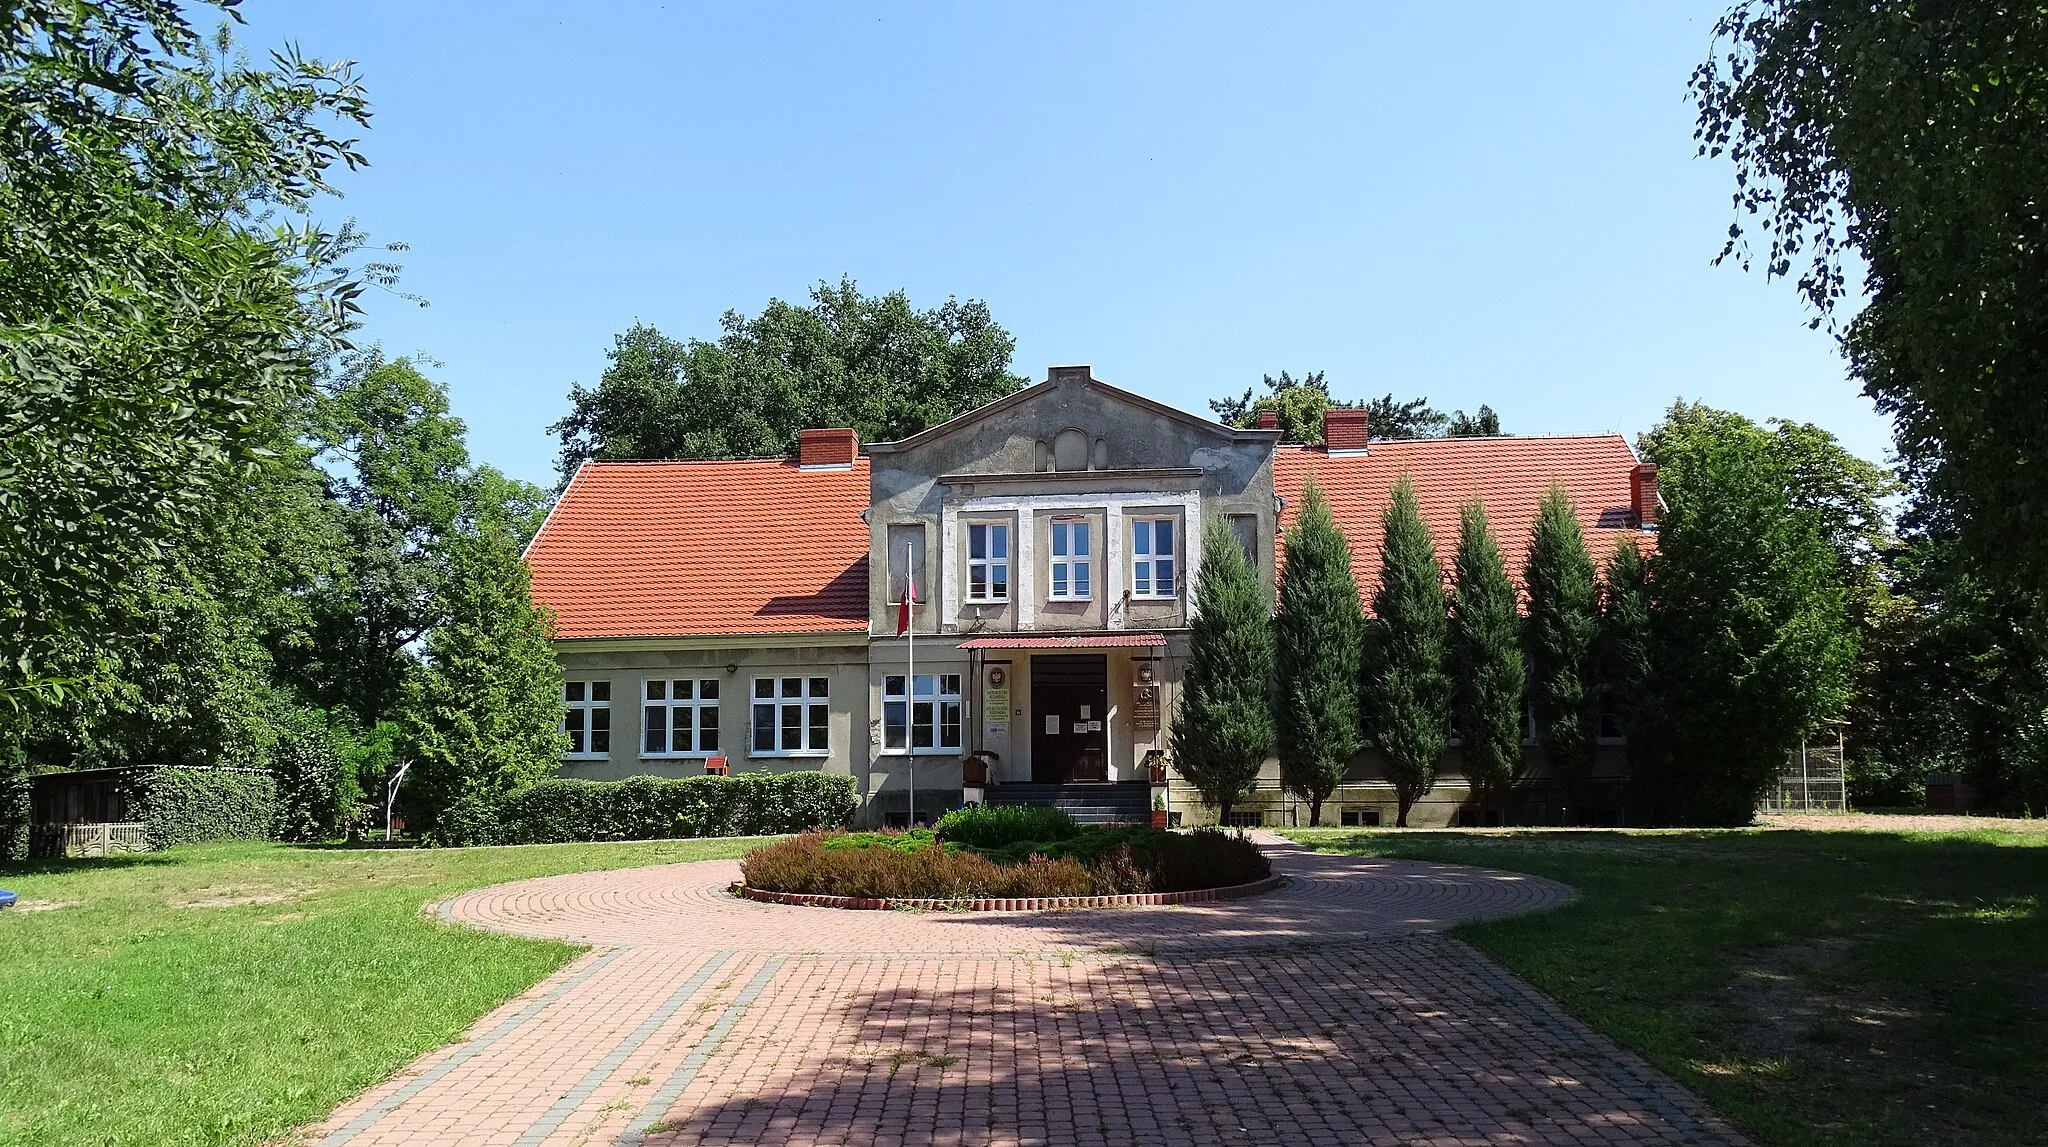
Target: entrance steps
{"points": [[1098, 802]]}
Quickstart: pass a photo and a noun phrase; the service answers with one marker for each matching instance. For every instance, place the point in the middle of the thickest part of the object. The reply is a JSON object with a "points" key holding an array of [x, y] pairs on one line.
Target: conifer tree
{"points": [[1408, 694], [1223, 728], [1564, 618], [1486, 661], [485, 714], [1624, 659], [1316, 652]]}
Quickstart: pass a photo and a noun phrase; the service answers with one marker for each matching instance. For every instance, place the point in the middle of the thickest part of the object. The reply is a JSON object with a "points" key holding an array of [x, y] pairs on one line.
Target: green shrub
{"points": [[315, 787], [466, 821], [15, 814], [657, 808], [192, 805], [920, 865], [994, 826]]}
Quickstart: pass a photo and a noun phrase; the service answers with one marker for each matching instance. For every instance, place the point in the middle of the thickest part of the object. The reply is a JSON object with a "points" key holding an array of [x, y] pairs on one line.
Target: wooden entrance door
{"points": [[1069, 718]]}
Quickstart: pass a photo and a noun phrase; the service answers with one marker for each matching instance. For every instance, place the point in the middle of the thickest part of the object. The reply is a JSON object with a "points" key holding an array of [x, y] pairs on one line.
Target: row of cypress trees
{"points": [[1318, 678]]}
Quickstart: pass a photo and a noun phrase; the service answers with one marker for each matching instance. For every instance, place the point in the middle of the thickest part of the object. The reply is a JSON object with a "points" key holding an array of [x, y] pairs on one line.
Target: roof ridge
{"points": [[790, 462]]}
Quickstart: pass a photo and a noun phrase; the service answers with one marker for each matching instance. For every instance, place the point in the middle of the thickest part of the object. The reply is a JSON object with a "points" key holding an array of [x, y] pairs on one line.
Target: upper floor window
{"points": [[926, 722], [791, 716], [1071, 563], [988, 561], [679, 718], [1152, 558], [588, 720]]}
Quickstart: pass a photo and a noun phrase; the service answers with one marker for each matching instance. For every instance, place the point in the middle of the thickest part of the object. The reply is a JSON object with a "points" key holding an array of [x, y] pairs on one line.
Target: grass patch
{"points": [[1852, 988], [223, 994]]}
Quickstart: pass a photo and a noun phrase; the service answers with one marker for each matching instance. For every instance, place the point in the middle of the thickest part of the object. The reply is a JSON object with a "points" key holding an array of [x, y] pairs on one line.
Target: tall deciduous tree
{"points": [[1223, 729], [871, 362], [1298, 405], [484, 715], [1486, 661], [1316, 655], [158, 319], [1752, 642], [1564, 619], [1407, 692], [1909, 133]]}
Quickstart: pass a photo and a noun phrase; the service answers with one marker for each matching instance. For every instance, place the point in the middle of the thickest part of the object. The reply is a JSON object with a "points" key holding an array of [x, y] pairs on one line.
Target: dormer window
{"points": [[988, 561], [1152, 558], [1072, 565]]}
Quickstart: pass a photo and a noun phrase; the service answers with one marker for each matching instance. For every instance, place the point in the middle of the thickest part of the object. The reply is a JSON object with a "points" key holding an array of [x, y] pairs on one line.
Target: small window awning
{"points": [[1077, 641]]}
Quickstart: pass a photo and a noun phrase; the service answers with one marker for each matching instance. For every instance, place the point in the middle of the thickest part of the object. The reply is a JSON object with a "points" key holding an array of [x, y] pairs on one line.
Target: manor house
{"points": [[746, 614]]}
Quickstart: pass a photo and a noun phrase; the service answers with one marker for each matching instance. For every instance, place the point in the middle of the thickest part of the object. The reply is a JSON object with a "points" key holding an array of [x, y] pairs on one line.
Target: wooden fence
{"points": [[104, 839]]}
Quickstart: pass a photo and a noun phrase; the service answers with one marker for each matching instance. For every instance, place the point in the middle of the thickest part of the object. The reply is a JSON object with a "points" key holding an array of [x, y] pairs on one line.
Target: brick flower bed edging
{"points": [[1012, 904]]}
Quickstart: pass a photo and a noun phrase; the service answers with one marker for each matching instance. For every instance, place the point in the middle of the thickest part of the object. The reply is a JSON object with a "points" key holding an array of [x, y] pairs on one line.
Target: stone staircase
{"points": [[1126, 802]]}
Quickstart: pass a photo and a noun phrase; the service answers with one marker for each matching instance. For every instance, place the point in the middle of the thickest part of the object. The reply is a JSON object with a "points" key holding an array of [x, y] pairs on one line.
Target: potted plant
{"points": [[1159, 811]]}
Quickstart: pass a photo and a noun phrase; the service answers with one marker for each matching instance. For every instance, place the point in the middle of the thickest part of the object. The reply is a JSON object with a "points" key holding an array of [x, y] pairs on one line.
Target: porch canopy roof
{"points": [[1074, 641]]}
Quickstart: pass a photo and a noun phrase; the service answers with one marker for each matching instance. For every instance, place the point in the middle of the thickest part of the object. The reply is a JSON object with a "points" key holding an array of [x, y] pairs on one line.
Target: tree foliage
{"points": [[1298, 405], [873, 363], [1485, 659], [1752, 638], [484, 714], [1909, 133], [1223, 728], [157, 318], [1407, 691], [1564, 615], [1316, 656], [1624, 658]]}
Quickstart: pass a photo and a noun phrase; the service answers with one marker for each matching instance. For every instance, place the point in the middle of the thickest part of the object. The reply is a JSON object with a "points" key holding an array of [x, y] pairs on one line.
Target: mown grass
{"points": [[1853, 988], [225, 994]]}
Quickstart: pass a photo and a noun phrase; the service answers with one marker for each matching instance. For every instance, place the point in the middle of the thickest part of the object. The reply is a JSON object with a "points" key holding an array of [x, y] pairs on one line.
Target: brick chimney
{"points": [[1344, 430], [1642, 495], [1269, 420], [833, 449]]}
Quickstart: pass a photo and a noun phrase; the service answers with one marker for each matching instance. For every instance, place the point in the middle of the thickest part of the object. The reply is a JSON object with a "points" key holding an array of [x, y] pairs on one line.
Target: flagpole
{"points": [[910, 678]]}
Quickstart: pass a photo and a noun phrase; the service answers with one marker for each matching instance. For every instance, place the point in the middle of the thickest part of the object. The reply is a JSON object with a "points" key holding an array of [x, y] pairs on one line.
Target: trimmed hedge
{"points": [[659, 808], [188, 806], [995, 825]]}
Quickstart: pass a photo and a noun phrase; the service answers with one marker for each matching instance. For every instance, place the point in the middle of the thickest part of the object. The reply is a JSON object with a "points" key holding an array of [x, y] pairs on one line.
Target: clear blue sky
{"points": [[1478, 202]]}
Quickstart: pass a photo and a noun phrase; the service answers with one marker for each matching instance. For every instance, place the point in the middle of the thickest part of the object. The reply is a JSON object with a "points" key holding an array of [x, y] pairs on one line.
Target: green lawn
{"points": [[224, 994], [1853, 988]]}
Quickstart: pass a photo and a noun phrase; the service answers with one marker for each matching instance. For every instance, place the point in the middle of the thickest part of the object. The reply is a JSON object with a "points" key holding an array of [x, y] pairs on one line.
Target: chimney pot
{"points": [[833, 448], [1269, 420], [1643, 498], [1344, 430]]}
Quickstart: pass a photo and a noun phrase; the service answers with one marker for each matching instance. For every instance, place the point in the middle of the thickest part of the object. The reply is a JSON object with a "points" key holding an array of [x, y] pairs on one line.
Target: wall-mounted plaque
{"points": [[1145, 708]]}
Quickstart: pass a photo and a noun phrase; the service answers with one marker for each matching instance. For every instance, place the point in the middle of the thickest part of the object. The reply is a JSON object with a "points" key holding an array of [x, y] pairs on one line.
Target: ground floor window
{"points": [[792, 716], [588, 719], [928, 721], [680, 718]]}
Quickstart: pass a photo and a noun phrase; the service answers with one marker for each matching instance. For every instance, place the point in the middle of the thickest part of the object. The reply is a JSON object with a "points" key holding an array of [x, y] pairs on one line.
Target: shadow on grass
{"points": [[60, 866], [1868, 987]]}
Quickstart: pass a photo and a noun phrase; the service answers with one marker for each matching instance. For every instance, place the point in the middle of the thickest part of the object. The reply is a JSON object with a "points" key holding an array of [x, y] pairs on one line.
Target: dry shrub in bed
{"points": [[1093, 863], [805, 864]]}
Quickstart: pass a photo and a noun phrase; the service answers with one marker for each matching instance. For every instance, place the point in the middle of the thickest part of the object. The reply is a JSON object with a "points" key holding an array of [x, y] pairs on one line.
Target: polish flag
{"points": [[903, 613]]}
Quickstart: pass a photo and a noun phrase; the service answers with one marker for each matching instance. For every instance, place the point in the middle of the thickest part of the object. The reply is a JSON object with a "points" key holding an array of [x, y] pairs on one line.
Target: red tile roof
{"points": [[663, 549], [1077, 641], [1509, 475]]}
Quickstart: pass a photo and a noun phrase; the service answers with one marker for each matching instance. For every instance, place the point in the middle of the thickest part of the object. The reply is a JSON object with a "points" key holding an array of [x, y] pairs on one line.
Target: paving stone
{"points": [[1332, 1011]]}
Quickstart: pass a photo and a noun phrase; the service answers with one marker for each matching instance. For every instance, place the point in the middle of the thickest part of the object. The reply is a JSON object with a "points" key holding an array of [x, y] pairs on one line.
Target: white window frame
{"points": [[1604, 709], [696, 706], [1064, 566], [1145, 563], [581, 702], [988, 565], [940, 696], [810, 696]]}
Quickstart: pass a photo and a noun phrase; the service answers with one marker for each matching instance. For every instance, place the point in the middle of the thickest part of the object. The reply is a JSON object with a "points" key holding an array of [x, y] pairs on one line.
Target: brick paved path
{"points": [[1329, 1012]]}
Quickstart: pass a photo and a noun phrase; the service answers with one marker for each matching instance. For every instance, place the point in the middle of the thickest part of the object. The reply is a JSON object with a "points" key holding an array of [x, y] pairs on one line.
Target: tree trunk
{"points": [[1401, 815], [1315, 812], [1223, 814]]}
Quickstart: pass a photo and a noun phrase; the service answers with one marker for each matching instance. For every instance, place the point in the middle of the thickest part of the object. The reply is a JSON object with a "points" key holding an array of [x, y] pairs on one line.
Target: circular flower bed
{"points": [[1000, 855]]}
